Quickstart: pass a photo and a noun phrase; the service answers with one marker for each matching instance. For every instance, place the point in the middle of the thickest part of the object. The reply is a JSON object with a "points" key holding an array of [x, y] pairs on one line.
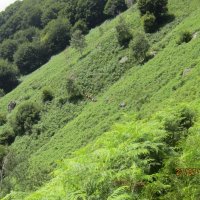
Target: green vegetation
{"points": [[47, 95], [114, 7], [184, 37], [78, 41], [110, 123], [8, 75], [123, 33], [26, 116], [139, 47], [153, 12]]}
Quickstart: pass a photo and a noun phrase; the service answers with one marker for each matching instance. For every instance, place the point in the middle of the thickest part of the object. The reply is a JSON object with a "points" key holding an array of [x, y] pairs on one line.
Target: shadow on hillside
{"points": [[166, 19]]}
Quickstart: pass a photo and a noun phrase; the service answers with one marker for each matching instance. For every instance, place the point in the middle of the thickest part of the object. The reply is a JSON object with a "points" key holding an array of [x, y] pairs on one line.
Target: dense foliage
{"points": [[153, 12], [26, 116], [32, 31], [69, 147], [8, 75]]}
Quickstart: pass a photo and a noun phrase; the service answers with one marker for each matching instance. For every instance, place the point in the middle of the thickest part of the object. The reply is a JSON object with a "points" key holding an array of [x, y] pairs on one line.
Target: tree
{"points": [[153, 12], [28, 35], [114, 7], [123, 33], [156, 7], [139, 47], [149, 22], [56, 35], [8, 75], [30, 56], [78, 41], [7, 49], [26, 116], [80, 25], [50, 13], [91, 11]]}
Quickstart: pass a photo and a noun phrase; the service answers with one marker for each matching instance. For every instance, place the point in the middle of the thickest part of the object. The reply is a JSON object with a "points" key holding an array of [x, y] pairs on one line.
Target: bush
{"points": [[47, 95], [72, 88], [114, 7], [139, 47], [123, 33], [3, 119], [78, 41], [7, 136], [149, 22], [177, 125], [8, 76], [184, 37], [26, 116]]}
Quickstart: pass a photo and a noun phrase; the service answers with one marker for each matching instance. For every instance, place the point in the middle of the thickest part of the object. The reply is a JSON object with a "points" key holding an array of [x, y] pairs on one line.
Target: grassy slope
{"points": [[145, 89]]}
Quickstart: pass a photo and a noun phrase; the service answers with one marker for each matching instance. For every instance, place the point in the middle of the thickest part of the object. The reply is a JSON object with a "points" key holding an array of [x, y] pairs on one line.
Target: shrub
{"points": [[72, 88], [47, 95], [178, 124], [114, 7], [78, 41], [185, 36], [7, 136], [123, 33], [8, 76], [26, 116], [139, 47], [3, 119], [149, 22]]}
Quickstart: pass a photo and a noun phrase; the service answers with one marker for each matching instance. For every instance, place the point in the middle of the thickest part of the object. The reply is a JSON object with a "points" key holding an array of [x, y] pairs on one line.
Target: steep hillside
{"points": [[157, 103]]}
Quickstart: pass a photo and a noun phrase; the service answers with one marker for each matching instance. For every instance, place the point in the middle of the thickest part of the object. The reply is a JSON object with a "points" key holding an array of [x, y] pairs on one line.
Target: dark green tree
{"points": [[114, 7], [7, 49], [80, 25], [91, 11], [156, 7], [30, 56], [56, 35], [153, 13], [8, 75]]}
